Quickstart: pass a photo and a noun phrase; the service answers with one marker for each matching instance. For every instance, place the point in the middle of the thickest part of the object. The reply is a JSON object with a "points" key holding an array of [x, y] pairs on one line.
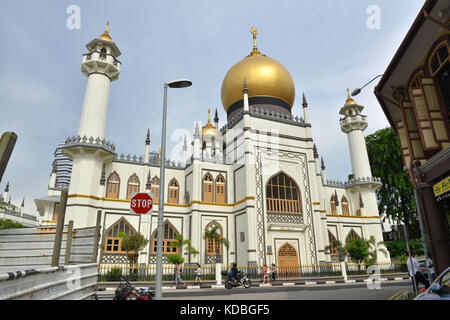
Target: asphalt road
{"points": [[388, 291]]}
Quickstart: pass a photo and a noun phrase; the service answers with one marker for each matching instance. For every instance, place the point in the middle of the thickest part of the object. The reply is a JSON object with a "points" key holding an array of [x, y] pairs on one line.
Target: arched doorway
{"points": [[288, 266]]}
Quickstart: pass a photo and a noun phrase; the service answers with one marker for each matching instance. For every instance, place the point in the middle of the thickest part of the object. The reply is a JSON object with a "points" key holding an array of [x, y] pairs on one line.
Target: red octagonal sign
{"points": [[141, 203]]}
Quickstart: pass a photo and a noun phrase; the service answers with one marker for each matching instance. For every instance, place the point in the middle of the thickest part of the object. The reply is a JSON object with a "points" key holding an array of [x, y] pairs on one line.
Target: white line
{"points": [[330, 282], [398, 278], [169, 288], [309, 283], [193, 287], [265, 285], [288, 284], [217, 286], [350, 281]]}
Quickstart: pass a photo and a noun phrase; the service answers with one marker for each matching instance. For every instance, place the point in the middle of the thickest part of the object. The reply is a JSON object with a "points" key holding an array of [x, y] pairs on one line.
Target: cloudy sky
{"points": [[326, 45]]}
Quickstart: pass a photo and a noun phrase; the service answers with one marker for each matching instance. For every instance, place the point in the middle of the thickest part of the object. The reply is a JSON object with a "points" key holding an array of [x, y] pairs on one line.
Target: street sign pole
{"points": [[158, 278]]}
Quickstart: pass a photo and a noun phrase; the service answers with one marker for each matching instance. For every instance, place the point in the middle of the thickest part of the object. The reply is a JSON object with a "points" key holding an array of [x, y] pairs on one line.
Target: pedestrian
{"points": [[414, 272], [198, 274], [430, 267], [266, 274], [274, 271], [178, 271]]}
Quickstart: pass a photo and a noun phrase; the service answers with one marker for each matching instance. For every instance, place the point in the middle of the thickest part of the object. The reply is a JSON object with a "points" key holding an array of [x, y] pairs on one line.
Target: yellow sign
{"points": [[442, 187]]}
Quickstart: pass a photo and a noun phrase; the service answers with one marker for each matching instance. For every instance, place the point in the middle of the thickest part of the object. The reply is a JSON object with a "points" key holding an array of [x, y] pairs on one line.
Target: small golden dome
{"points": [[105, 36], [209, 128], [349, 99], [265, 77]]}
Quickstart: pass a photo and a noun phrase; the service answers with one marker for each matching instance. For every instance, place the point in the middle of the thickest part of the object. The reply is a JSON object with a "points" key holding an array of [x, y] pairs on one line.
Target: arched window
{"points": [[112, 242], [220, 189], [173, 191], [351, 235], [213, 247], [283, 195], [333, 250], [333, 204], [169, 235], [345, 210], [133, 185], [103, 54], [439, 57], [154, 188], [208, 188], [112, 188]]}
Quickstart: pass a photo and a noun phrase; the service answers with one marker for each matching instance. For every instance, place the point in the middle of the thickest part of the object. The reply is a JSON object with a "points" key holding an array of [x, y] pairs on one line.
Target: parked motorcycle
{"points": [[126, 291], [243, 280]]}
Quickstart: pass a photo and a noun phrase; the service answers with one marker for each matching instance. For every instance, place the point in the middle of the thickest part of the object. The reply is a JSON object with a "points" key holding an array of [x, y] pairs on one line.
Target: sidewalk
{"points": [[211, 284]]}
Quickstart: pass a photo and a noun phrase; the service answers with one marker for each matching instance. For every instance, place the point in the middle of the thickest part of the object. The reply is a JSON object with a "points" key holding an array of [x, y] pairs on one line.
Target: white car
{"points": [[439, 289]]}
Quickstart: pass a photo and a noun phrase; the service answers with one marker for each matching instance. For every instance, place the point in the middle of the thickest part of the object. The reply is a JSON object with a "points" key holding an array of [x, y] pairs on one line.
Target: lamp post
{"points": [[182, 83], [358, 90]]}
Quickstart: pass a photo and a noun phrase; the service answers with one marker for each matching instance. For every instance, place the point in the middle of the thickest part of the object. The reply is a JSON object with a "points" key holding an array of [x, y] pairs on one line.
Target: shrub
{"points": [[114, 274]]}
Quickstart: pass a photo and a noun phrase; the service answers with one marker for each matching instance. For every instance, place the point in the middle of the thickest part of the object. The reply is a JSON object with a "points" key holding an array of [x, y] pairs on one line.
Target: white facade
{"points": [[255, 146]]}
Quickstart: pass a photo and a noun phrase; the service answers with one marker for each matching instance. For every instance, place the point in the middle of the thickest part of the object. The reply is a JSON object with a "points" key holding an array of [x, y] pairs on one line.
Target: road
{"points": [[388, 290]]}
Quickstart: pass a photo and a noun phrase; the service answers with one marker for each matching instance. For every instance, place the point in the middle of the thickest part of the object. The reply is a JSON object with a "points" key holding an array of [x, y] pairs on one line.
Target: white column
{"points": [[95, 105], [358, 154]]}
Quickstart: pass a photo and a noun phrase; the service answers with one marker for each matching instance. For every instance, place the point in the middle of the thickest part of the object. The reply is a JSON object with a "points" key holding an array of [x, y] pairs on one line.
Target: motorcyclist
{"points": [[234, 273]]}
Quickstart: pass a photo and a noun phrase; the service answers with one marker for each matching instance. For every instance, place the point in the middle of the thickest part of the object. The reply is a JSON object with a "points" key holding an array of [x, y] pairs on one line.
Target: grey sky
{"points": [[325, 44]]}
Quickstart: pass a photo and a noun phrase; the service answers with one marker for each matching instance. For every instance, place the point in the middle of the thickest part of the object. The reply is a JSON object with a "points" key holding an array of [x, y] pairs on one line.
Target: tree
{"points": [[358, 250], [396, 196], [8, 224], [337, 245], [214, 234], [181, 242], [132, 244]]}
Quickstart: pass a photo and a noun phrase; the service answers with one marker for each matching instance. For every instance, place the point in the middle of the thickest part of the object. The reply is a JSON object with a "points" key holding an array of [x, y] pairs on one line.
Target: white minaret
{"points": [[185, 149], [53, 177], [101, 67], [90, 151], [147, 148], [6, 193], [354, 124]]}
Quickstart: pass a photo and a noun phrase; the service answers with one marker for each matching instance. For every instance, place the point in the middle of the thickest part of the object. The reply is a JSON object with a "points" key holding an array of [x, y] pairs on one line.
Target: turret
{"points": [[147, 148], [6, 193]]}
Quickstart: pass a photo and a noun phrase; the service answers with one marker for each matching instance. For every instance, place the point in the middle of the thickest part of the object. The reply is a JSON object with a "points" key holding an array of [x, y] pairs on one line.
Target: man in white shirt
{"points": [[415, 273], [430, 267]]}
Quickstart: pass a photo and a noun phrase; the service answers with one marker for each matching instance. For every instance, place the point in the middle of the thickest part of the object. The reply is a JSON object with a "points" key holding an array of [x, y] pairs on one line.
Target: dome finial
{"points": [[209, 115], [105, 35], [255, 51], [349, 99]]}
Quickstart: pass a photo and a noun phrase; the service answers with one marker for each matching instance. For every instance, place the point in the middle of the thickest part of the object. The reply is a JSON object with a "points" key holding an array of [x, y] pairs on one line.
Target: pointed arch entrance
{"points": [[288, 266]]}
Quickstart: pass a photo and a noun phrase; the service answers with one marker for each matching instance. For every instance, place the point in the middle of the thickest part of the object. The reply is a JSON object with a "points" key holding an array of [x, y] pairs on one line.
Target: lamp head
{"points": [[356, 92], [180, 83]]}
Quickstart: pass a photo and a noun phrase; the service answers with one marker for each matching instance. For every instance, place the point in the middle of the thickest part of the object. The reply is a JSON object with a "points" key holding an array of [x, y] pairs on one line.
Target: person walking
{"points": [[274, 271], [178, 271], [430, 267], [198, 274], [414, 272], [266, 274]]}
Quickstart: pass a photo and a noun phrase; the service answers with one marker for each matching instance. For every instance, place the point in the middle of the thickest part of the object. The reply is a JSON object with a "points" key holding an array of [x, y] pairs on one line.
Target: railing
{"points": [[109, 272]]}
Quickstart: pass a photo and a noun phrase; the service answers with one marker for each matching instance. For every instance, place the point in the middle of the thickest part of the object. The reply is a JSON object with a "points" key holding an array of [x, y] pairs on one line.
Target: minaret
{"points": [[216, 120], [147, 148], [245, 92], [6, 193], [89, 151], [148, 184], [197, 143], [324, 174], [22, 206], [185, 148], [305, 109], [101, 67], [354, 124]]}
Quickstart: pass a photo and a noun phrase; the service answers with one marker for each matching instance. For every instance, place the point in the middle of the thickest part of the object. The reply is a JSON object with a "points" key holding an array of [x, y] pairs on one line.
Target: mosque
{"points": [[258, 179]]}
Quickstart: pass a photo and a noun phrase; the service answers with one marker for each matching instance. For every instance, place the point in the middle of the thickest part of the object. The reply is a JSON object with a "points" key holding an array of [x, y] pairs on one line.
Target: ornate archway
{"points": [[288, 266]]}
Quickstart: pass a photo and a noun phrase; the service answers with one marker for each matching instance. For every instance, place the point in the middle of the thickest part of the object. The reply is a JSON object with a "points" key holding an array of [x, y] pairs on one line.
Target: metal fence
{"points": [[109, 272]]}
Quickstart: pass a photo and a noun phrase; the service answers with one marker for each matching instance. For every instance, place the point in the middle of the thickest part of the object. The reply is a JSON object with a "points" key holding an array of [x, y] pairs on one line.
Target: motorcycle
{"points": [[126, 291], [243, 280]]}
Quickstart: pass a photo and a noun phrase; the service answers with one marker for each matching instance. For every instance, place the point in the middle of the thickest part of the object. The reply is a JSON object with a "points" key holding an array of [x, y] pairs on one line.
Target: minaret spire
{"points": [[216, 120], [147, 140]]}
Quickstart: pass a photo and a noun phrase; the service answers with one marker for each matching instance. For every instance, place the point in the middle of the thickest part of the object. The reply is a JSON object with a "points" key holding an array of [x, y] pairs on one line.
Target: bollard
{"points": [[344, 270], [218, 274]]}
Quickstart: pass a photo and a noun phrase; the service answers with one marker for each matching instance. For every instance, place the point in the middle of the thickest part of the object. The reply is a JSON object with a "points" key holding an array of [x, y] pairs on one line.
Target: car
{"points": [[439, 289]]}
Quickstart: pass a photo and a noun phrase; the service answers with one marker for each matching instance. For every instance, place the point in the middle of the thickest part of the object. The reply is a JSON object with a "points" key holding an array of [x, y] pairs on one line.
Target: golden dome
{"points": [[349, 99], [265, 77], [105, 36], [209, 128]]}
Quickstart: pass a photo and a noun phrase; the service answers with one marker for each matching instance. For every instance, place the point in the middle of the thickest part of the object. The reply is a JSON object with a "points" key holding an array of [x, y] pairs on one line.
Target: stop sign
{"points": [[141, 203]]}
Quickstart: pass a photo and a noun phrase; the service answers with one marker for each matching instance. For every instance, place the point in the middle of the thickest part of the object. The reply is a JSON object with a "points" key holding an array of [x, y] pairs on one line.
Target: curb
{"points": [[276, 284]]}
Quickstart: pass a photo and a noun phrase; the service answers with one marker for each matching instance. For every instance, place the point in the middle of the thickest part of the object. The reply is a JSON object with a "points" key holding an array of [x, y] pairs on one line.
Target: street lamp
{"points": [[181, 83], [358, 90]]}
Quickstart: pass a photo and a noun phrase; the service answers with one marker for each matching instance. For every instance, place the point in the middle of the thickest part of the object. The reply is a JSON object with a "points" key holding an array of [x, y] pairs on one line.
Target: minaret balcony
{"points": [[356, 122], [97, 62]]}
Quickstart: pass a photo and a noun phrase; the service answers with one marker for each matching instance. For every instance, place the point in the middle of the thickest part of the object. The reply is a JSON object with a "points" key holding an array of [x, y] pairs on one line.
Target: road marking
{"points": [[310, 283], [398, 278], [350, 281], [396, 295], [288, 284], [330, 282]]}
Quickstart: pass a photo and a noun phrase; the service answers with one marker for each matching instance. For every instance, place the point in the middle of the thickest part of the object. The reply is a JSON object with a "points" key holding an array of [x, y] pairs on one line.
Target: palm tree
{"points": [[374, 248], [215, 235], [181, 242]]}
